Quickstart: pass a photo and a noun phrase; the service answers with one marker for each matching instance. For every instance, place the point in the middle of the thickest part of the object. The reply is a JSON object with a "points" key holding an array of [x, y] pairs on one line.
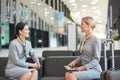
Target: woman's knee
{"points": [[67, 74], [35, 72], [27, 76], [70, 76], [73, 76]]}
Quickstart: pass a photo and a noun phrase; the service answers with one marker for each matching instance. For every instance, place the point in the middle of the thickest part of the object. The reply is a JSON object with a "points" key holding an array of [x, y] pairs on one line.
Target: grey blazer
{"points": [[18, 55], [90, 56]]}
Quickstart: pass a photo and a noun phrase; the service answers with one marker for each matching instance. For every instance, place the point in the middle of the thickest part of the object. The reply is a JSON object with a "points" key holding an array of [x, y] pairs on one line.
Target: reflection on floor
{"points": [[4, 52]]}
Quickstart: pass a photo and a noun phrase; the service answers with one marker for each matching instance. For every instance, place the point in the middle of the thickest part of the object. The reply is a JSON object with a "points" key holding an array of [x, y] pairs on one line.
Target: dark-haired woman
{"points": [[19, 49]]}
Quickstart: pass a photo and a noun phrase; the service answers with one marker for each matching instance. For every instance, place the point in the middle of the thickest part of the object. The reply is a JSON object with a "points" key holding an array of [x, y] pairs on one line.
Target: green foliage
{"points": [[117, 37]]}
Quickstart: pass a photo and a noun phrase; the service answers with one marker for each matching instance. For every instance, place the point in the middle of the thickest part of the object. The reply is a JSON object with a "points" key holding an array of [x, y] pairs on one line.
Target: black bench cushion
{"points": [[54, 65], [76, 53], [117, 62], [3, 62], [109, 53], [46, 54], [53, 78], [102, 63], [4, 78]]}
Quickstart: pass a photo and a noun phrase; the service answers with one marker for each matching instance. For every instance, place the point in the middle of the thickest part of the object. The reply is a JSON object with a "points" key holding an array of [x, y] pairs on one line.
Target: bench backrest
{"points": [[3, 62], [46, 54]]}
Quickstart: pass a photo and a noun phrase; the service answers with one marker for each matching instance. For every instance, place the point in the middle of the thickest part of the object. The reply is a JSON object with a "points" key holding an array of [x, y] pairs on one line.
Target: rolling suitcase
{"points": [[111, 74]]}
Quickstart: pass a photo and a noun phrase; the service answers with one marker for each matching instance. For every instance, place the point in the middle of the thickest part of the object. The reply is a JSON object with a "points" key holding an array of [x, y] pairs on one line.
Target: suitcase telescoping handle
{"points": [[110, 41]]}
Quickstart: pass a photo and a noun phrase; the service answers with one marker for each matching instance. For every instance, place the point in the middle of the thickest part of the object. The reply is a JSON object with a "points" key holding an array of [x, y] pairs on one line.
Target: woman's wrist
{"points": [[30, 65], [84, 68], [75, 61], [37, 61]]}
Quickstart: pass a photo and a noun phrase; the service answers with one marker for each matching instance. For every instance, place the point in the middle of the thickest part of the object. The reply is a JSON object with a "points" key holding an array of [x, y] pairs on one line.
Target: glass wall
{"points": [[14, 10], [0, 24], [46, 28], [5, 23]]}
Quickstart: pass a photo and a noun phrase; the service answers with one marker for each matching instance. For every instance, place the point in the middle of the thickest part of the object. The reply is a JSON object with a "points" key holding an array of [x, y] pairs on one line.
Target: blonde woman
{"points": [[90, 50]]}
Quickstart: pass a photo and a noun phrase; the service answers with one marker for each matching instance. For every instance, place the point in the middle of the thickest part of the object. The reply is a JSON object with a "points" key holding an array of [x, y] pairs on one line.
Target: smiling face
{"points": [[84, 27], [87, 24], [24, 32]]}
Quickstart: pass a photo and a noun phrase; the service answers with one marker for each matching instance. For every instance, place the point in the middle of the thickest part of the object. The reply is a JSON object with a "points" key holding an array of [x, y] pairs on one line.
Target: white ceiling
{"points": [[96, 8], [78, 8]]}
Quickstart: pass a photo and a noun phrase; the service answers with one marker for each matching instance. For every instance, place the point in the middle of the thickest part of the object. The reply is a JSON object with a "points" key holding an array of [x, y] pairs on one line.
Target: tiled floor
{"points": [[4, 52]]}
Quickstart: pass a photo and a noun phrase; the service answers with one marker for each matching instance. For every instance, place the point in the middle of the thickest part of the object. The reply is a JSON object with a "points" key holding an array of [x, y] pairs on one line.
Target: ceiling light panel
{"points": [[84, 6]]}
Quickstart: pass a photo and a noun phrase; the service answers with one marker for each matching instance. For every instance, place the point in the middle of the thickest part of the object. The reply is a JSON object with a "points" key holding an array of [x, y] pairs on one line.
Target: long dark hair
{"points": [[19, 26]]}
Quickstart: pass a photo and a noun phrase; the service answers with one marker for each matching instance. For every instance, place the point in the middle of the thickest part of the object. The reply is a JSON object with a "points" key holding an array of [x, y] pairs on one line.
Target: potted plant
{"points": [[116, 37]]}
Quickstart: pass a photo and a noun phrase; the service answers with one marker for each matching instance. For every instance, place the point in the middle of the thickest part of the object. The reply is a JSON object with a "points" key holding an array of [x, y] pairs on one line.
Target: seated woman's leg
{"points": [[34, 75], [70, 76], [87, 75], [26, 76]]}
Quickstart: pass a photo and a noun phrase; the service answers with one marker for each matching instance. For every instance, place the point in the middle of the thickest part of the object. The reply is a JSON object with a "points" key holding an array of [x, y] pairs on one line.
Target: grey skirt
{"points": [[87, 75], [16, 72]]}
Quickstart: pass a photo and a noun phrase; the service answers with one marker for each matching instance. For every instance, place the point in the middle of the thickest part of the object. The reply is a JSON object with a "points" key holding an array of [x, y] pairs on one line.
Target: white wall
{"points": [[71, 36]]}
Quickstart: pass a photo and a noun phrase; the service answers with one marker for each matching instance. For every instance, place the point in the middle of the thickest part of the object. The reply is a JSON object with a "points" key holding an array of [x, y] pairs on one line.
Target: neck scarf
{"points": [[84, 40], [21, 41]]}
